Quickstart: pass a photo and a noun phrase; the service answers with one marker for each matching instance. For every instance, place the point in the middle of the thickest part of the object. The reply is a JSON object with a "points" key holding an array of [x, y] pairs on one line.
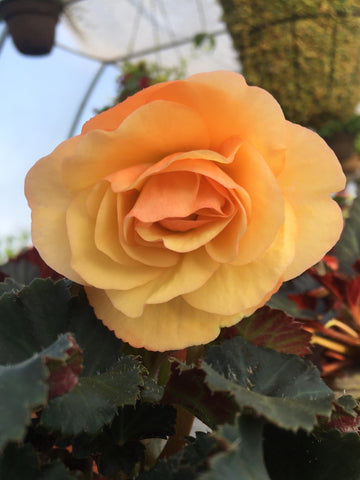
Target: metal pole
{"points": [[3, 37], [85, 99]]}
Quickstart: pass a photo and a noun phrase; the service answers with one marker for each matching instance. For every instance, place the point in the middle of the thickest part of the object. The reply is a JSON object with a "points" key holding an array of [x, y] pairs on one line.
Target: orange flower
{"points": [[184, 208]]}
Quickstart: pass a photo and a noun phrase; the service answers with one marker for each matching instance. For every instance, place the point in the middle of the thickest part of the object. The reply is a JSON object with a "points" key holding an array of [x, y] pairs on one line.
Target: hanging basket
{"points": [[31, 24], [305, 52]]}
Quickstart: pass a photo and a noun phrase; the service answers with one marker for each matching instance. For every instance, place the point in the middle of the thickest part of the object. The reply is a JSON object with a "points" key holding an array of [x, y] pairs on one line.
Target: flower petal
{"points": [[106, 234], [311, 166], [153, 254], [113, 117], [192, 272], [311, 173], [49, 199], [94, 266], [230, 107], [146, 136], [250, 170], [184, 325], [224, 248], [242, 288], [320, 223]]}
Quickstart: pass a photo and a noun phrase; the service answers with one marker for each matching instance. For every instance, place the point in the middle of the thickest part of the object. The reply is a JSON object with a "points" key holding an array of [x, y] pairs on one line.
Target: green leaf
{"points": [[274, 329], [348, 404], [329, 456], [143, 421], [55, 471], [19, 462], [186, 464], [120, 458], [24, 387], [151, 391], [100, 346], [118, 447], [187, 386], [33, 318], [93, 403], [285, 389], [243, 455], [347, 249], [10, 286]]}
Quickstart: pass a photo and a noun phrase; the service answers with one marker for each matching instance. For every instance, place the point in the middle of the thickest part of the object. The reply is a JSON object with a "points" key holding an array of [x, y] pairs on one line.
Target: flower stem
{"points": [[184, 422]]}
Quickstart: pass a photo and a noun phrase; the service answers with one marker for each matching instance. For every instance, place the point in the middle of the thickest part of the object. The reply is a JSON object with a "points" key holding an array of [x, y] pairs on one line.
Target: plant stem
{"points": [[184, 422]]}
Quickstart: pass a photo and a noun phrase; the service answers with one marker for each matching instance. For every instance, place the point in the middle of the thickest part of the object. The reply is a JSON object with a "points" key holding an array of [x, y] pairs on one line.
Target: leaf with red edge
{"points": [[275, 329], [64, 370], [345, 417]]}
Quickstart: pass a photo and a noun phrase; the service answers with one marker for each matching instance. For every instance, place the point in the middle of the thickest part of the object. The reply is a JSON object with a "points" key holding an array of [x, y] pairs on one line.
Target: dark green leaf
{"points": [[24, 387], [348, 247], [285, 389], [151, 392], [329, 456], [100, 346], [55, 471], [143, 421], [348, 404], [10, 286], [187, 464], [120, 458], [130, 425], [33, 318], [19, 462], [243, 455], [187, 386], [94, 401]]}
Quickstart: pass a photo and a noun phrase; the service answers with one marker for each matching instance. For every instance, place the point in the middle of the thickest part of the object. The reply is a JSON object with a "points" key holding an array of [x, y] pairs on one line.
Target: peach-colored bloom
{"points": [[185, 207]]}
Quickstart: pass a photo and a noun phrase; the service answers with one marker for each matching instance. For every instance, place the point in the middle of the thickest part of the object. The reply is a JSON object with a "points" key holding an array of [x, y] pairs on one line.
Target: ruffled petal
{"points": [[311, 173], [95, 267], [241, 288], [184, 325], [112, 118], [311, 166], [250, 170], [106, 232], [49, 199], [153, 254], [192, 272], [320, 224], [150, 133], [230, 107]]}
